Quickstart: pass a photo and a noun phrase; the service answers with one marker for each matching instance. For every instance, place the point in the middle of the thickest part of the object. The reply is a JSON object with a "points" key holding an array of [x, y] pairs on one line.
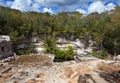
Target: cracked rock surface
{"points": [[91, 71]]}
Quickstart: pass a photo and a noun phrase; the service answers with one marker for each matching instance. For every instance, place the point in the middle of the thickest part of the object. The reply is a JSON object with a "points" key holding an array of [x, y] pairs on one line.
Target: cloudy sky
{"points": [[54, 6]]}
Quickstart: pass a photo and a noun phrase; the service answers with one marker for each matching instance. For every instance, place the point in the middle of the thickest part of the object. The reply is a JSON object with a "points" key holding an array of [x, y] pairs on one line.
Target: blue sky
{"points": [[55, 6]]}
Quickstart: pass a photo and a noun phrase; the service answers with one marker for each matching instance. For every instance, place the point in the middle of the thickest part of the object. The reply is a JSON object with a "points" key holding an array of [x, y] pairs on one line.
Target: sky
{"points": [[55, 6]]}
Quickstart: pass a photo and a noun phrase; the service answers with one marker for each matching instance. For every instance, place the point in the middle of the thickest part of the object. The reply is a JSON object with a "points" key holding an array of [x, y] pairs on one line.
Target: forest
{"points": [[104, 29]]}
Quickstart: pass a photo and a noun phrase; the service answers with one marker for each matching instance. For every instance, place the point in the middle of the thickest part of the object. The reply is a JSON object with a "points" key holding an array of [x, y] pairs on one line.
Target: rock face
{"points": [[117, 58], [5, 47], [86, 71], [78, 45]]}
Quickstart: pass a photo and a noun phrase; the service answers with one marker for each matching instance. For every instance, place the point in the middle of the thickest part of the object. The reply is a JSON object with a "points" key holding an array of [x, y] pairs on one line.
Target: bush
{"points": [[69, 53], [60, 54], [50, 46]]}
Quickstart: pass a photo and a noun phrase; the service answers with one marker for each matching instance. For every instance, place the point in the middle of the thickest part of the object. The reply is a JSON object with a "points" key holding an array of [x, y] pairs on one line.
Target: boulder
{"points": [[118, 57]]}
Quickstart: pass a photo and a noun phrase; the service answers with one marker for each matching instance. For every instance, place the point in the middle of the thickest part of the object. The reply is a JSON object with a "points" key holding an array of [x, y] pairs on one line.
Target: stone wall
{"points": [[5, 49]]}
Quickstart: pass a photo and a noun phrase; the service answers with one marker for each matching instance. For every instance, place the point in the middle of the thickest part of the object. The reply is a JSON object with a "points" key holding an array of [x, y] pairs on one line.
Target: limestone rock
{"points": [[85, 71]]}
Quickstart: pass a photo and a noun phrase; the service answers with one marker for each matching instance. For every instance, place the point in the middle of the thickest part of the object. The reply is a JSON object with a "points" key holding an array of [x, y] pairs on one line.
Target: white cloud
{"points": [[2, 2], [49, 10], [21, 5], [71, 5], [26, 5], [100, 7], [81, 11], [110, 6], [62, 5], [96, 7], [35, 7]]}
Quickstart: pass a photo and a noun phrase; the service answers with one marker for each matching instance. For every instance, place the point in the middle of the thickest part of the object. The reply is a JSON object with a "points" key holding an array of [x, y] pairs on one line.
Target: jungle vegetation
{"points": [[103, 28]]}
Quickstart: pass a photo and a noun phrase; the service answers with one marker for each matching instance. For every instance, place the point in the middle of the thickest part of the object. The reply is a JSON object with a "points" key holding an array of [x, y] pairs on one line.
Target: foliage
{"points": [[50, 45], [51, 48], [103, 28], [69, 53]]}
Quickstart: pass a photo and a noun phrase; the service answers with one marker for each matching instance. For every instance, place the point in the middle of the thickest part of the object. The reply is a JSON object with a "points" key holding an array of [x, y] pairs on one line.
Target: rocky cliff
{"points": [[62, 43]]}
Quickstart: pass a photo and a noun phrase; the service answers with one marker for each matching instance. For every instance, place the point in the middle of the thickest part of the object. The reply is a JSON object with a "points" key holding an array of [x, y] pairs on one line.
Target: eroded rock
{"points": [[87, 78], [88, 71], [112, 77]]}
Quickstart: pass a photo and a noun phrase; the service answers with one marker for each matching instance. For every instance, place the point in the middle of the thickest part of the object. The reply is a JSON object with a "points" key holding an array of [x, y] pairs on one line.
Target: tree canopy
{"points": [[103, 28]]}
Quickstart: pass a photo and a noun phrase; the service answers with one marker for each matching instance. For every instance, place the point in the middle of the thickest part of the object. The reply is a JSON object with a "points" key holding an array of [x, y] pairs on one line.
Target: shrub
{"points": [[50, 46], [69, 53], [60, 54]]}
